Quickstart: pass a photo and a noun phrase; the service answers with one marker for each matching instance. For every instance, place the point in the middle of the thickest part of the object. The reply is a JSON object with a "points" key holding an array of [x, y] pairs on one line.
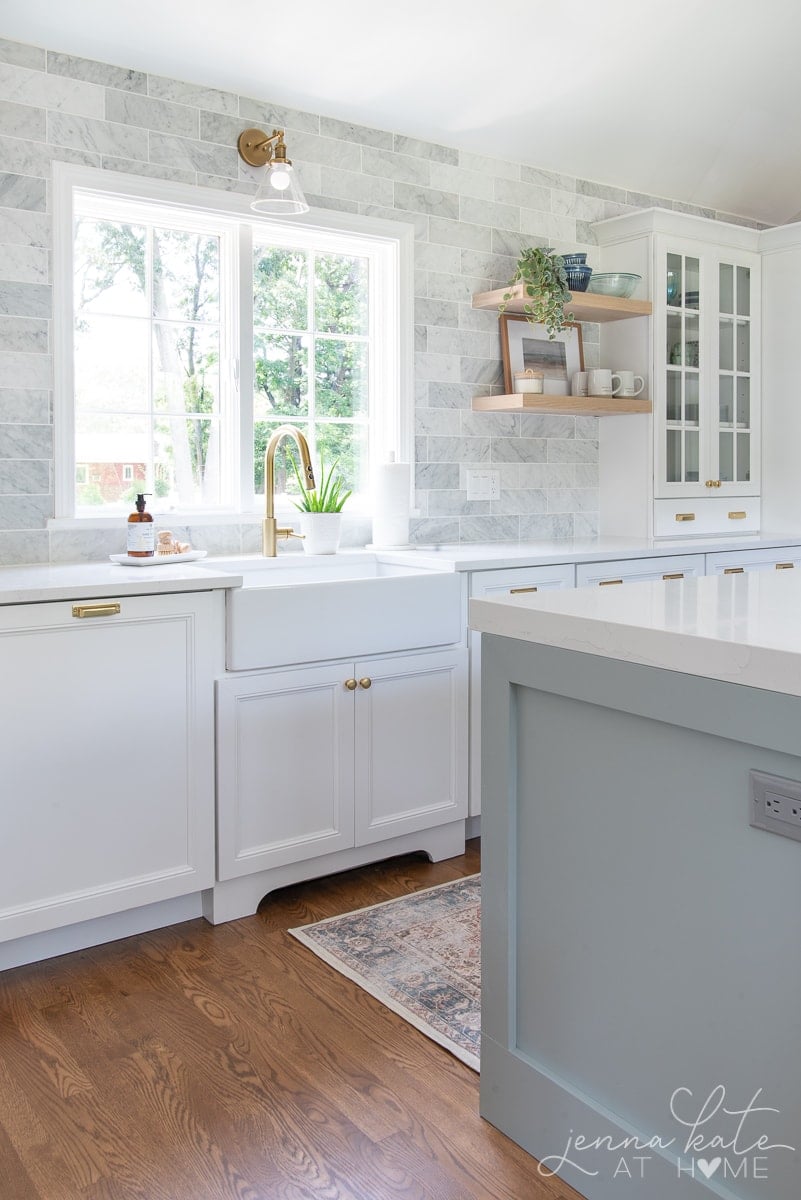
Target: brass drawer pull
{"points": [[95, 610], [785, 566], [517, 591], [737, 516], [365, 682], [685, 516], [678, 575], [608, 582], [733, 570], [351, 685]]}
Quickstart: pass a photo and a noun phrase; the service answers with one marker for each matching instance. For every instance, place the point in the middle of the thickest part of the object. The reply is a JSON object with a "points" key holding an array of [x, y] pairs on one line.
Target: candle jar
{"points": [[529, 381]]}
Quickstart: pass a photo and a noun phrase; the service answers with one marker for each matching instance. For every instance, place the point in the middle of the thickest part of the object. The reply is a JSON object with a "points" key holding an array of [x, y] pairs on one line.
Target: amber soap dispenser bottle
{"points": [[141, 532]]}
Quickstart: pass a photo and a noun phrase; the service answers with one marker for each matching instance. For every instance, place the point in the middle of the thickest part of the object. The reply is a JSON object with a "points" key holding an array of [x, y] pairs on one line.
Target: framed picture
{"points": [[525, 346]]}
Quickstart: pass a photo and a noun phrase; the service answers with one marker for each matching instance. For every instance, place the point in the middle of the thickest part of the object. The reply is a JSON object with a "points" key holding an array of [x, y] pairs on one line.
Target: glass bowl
{"points": [[614, 283]]}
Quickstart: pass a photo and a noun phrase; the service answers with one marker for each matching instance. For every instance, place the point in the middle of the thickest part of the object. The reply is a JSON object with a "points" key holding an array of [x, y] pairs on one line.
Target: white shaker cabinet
{"points": [[106, 745], [336, 756]]}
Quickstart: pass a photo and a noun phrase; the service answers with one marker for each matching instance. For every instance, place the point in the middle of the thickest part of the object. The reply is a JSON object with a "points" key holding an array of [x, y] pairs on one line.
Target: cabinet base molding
{"points": [[234, 898], [52, 942]]}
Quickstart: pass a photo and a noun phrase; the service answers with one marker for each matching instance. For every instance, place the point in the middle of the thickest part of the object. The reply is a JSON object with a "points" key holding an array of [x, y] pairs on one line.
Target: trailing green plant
{"points": [[327, 497], [542, 273]]}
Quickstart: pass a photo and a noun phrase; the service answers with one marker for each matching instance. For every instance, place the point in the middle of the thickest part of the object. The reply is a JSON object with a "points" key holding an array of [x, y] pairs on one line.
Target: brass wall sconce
{"points": [[280, 193]]}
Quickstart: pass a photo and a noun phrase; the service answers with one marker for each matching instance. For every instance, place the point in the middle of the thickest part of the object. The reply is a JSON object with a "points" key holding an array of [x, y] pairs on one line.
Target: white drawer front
{"points": [[520, 579], [735, 562], [634, 570], [706, 514]]}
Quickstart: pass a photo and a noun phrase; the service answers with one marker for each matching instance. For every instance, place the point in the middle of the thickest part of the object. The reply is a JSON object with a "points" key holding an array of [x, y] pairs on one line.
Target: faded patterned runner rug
{"points": [[420, 955]]}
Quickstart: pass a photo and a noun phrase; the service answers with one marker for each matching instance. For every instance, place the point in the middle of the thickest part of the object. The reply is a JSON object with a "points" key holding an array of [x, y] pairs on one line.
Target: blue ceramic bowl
{"points": [[574, 260], [578, 278]]}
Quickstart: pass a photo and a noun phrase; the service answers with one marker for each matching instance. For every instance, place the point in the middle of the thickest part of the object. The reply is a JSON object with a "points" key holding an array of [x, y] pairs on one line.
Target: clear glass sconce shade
{"points": [[280, 192]]}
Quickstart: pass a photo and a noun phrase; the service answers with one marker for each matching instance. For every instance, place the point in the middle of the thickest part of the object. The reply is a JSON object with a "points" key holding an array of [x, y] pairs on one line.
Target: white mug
{"points": [[628, 382], [600, 382], [578, 383]]}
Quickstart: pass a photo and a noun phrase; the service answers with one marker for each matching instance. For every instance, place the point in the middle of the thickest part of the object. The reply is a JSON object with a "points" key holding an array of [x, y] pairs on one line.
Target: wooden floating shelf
{"points": [[580, 406], [585, 306]]}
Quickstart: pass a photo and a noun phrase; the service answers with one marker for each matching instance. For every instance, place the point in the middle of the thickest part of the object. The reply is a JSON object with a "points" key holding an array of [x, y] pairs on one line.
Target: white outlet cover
{"points": [[775, 804]]}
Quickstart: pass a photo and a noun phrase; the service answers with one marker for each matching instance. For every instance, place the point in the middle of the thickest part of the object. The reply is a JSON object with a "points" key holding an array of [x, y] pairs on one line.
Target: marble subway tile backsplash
{"points": [[471, 214]]}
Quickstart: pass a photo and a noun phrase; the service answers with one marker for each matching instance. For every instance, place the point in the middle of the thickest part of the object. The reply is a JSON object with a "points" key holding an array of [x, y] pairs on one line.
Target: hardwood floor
{"points": [[201, 1063]]}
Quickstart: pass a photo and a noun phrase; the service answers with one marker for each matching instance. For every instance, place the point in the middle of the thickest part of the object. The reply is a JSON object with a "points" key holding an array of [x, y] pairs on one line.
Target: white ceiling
{"points": [[696, 100]]}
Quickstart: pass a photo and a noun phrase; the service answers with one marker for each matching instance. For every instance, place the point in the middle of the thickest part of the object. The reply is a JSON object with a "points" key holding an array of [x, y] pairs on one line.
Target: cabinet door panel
{"points": [[285, 768], [106, 731], [411, 744]]}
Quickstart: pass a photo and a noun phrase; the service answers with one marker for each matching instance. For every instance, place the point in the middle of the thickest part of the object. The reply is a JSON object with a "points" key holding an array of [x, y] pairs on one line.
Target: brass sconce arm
{"points": [[256, 147]]}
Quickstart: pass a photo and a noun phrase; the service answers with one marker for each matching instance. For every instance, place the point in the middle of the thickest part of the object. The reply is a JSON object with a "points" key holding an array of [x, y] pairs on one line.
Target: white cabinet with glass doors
{"points": [[694, 466], [707, 370]]}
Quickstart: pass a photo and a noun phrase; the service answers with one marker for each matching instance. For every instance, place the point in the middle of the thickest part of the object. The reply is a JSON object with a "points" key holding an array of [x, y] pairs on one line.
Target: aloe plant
{"points": [[328, 497], [542, 273]]}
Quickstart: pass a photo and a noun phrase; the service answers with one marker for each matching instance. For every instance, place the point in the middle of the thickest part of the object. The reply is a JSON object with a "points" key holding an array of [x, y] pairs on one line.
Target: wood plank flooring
{"points": [[202, 1063]]}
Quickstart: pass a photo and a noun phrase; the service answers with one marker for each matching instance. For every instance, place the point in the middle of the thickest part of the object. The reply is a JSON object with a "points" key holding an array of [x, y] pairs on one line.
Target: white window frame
{"points": [[392, 266]]}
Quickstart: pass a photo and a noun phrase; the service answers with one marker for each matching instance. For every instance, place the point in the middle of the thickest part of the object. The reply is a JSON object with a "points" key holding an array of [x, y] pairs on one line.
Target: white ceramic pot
{"points": [[321, 532]]}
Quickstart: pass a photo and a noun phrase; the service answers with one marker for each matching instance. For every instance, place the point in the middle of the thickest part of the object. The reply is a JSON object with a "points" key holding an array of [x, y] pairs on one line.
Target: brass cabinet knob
{"points": [[365, 682], [351, 685]]}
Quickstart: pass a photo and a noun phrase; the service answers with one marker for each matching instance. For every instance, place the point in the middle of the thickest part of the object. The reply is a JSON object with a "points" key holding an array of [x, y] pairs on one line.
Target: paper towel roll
{"points": [[391, 483]]}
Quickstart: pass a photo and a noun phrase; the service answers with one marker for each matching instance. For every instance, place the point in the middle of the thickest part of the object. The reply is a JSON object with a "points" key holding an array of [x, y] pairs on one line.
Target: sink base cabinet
{"points": [[321, 768], [106, 741]]}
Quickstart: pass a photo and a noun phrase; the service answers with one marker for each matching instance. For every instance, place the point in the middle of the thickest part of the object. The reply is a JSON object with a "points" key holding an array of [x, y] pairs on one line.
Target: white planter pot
{"points": [[320, 532]]}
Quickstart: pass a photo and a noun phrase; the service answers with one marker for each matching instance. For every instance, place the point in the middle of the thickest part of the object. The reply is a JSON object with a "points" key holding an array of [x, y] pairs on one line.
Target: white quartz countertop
{"points": [[487, 556], [738, 628], [33, 584], [30, 584]]}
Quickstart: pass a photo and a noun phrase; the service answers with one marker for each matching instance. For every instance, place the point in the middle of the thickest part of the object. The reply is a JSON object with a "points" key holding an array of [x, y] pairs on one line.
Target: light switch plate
{"points": [[483, 485]]}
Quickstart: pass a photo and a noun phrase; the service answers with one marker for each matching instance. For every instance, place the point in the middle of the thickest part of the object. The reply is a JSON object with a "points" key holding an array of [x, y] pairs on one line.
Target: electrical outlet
{"points": [[483, 485], [776, 804]]}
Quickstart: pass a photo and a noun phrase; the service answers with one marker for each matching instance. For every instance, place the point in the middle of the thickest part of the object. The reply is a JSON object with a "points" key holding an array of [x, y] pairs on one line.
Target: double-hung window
{"points": [[189, 329]]}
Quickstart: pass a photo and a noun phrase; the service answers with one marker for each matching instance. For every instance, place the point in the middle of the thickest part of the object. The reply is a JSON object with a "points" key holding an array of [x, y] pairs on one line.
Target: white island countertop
{"points": [[742, 629]]}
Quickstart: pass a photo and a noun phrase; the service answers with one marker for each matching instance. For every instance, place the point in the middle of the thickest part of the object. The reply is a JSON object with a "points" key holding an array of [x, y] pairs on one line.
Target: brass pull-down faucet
{"points": [[271, 530]]}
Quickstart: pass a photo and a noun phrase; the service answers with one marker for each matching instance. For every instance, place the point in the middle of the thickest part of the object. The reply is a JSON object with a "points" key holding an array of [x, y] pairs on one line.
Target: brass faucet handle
{"points": [[285, 531]]}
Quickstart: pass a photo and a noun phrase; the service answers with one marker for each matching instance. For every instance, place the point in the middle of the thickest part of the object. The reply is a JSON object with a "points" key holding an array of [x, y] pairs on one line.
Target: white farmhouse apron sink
{"points": [[323, 609]]}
